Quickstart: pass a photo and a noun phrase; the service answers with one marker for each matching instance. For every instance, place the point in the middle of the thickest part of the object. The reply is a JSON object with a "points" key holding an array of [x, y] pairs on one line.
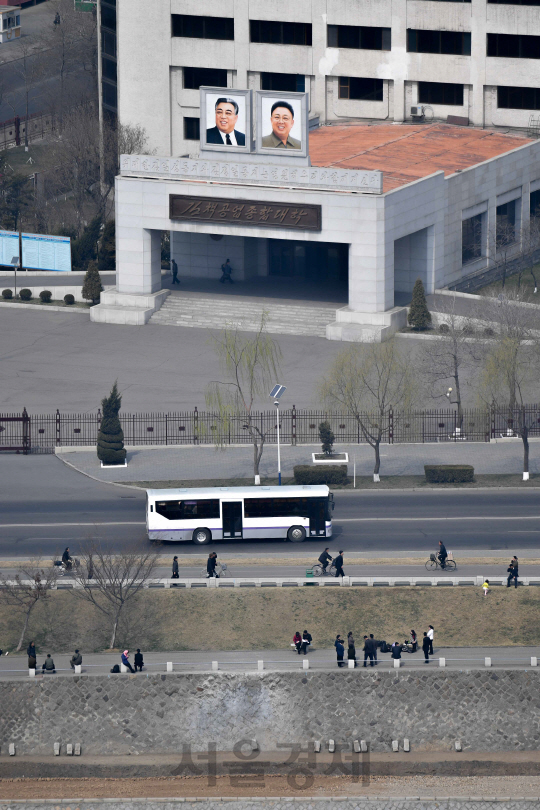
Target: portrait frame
{"points": [[244, 98], [300, 102]]}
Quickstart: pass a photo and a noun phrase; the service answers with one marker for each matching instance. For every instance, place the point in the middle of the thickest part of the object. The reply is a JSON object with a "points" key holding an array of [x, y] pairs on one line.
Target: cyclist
{"points": [[443, 554], [325, 559], [67, 560]]}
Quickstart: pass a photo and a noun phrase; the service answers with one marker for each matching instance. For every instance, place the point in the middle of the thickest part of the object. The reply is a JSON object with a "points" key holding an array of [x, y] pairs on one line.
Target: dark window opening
{"points": [[110, 95], [280, 33], [108, 17], [353, 87], [518, 98], [515, 46], [440, 93], [108, 43], [188, 25], [367, 38], [192, 132], [535, 204], [284, 507], [516, 2], [207, 77], [189, 510], [108, 69], [506, 224], [283, 82], [471, 239], [449, 42]]}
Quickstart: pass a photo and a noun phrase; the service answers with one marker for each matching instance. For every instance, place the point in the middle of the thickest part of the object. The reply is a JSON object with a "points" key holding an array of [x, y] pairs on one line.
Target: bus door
{"points": [[317, 517], [232, 518]]}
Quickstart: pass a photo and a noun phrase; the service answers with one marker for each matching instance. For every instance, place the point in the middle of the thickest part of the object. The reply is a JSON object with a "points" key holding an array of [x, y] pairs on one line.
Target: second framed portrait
{"points": [[226, 119], [282, 123]]}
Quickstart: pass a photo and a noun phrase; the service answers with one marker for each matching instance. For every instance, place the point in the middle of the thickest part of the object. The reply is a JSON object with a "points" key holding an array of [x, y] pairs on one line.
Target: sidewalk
{"points": [[204, 461]]}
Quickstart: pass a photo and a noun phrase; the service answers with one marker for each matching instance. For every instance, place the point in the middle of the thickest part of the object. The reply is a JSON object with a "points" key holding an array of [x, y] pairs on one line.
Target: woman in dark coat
{"points": [[31, 652], [175, 574], [211, 565]]}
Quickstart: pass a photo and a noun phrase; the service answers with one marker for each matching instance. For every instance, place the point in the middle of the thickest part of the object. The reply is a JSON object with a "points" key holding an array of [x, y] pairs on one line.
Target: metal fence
{"points": [[41, 433], [35, 127]]}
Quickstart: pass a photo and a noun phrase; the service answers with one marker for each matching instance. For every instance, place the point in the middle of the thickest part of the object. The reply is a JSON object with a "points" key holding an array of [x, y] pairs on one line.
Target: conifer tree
{"points": [[110, 444], [419, 314], [107, 248], [327, 438], [92, 287]]}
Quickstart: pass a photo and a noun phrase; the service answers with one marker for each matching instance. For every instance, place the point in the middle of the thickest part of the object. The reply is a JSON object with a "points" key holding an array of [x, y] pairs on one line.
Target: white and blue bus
{"points": [[231, 513]]}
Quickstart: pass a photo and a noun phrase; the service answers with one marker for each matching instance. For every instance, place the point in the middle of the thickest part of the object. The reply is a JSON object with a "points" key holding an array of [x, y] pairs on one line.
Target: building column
{"points": [[399, 57], [478, 60], [138, 261]]}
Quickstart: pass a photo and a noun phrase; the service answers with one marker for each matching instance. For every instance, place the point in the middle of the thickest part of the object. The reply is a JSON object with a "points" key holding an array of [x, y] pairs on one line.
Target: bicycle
{"points": [[433, 563], [221, 571], [319, 571]]}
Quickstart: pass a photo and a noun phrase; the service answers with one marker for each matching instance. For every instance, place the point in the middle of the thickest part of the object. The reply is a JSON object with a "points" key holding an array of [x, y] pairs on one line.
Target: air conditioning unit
{"points": [[417, 112]]}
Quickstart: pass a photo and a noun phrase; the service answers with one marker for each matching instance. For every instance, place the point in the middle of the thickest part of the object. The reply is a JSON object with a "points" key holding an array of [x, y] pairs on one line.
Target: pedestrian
{"points": [[226, 272], [338, 562], [76, 660], [486, 586], [414, 641], [67, 559], [340, 651], [512, 572], [430, 635], [396, 650], [174, 268], [338, 640], [125, 660], [31, 653], [175, 574], [297, 641], [90, 567], [306, 641], [351, 648], [375, 645], [211, 565], [425, 647], [138, 660], [368, 650], [48, 665]]}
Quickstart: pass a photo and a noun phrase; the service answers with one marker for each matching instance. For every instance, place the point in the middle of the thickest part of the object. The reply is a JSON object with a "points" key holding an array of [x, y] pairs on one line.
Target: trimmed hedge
{"points": [[69, 299], [25, 294], [325, 474], [449, 473], [45, 296], [7, 294]]}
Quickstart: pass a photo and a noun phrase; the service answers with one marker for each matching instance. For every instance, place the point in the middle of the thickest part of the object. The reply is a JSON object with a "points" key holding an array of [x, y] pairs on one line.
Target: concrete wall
{"points": [[301, 802], [158, 713]]}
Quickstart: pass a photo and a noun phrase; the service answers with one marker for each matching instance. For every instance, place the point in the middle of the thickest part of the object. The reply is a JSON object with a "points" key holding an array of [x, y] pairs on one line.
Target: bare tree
{"points": [[132, 140], [32, 583], [110, 582], [369, 381], [28, 65], [530, 245], [250, 366]]}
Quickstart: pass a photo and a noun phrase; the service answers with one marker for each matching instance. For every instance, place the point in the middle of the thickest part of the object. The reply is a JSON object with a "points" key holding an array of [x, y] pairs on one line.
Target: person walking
{"points": [[67, 559], [32, 655], [340, 651], [138, 660], [368, 651], [430, 635], [306, 641], [76, 660], [338, 562], [48, 665], [174, 268], [486, 586], [226, 272], [126, 662], [425, 647], [351, 648], [297, 641], [375, 645], [175, 574], [211, 565]]}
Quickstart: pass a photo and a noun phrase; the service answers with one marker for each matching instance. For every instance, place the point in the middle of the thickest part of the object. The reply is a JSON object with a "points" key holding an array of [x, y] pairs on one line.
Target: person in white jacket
{"points": [[430, 635]]}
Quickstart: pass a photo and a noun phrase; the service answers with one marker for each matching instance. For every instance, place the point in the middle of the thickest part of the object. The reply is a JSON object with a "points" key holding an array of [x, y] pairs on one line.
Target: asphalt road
{"points": [[44, 506]]}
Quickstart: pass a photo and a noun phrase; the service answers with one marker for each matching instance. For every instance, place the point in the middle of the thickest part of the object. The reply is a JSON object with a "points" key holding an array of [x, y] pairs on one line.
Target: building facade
{"points": [[363, 60]]}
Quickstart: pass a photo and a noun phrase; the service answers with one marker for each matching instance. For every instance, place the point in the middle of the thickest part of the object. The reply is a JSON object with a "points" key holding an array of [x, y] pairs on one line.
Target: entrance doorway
{"points": [[318, 262]]}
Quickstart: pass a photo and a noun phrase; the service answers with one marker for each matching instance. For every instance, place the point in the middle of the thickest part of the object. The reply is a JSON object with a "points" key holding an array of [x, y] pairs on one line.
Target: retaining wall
{"points": [[130, 714], [305, 803]]}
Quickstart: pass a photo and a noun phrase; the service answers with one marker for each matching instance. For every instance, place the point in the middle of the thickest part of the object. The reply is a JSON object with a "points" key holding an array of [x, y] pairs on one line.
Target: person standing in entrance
{"points": [[430, 634], [174, 269], [338, 562], [226, 272]]}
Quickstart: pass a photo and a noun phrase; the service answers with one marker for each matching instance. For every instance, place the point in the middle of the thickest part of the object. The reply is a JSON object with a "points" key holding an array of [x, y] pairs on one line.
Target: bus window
{"points": [[188, 510]]}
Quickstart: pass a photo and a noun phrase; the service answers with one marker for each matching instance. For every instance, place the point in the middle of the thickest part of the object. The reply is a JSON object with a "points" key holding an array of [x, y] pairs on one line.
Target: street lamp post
{"points": [[276, 393]]}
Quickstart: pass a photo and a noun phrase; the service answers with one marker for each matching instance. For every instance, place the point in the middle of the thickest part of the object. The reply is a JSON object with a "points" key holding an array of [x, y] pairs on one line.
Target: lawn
{"points": [[526, 286]]}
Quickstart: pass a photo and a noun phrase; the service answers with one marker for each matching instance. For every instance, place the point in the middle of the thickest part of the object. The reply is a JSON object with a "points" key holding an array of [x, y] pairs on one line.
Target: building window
{"points": [[535, 204], [517, 2], [450, 42], [188, 25], [360, 37], [192, 129], [110, 96], [440, 93], [471, 239], [506, 224], [360, 89], [280, 33], [283, 82], [108, 16], [207, 77], [108, 43], [108, 69], [515, 46], [518, 98]]}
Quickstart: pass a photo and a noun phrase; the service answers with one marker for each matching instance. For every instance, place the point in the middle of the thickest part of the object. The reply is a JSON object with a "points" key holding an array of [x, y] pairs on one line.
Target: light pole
{"points": [[276, 393]]}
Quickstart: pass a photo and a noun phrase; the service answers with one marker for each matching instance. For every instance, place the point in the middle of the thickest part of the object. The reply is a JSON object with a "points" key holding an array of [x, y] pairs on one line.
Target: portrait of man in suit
{"points": [[282, 121], [225, 132]]}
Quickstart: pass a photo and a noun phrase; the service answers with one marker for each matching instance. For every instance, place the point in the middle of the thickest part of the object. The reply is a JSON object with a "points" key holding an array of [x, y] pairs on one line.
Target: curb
{"points": [[98, 480]]}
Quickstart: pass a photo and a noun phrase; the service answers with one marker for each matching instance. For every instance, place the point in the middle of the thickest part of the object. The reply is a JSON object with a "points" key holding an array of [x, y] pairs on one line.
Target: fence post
{"points": [[166, 429], [196, 426], [293, 425], [26, 432], [58, 429], [391, 426]]}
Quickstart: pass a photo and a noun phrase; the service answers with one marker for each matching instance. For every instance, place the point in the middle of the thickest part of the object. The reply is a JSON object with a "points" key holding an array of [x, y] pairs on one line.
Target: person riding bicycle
{"points": [[325, 559], [443, 554], [67, 560]]}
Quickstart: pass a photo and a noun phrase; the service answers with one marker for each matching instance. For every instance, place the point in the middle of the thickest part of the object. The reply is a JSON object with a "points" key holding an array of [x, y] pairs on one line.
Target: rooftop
{"points": [[405, 153]]}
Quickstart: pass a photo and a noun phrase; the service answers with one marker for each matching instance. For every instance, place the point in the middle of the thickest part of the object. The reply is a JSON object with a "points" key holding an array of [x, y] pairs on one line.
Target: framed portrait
{"points": [[226, 119], [282, 123]]}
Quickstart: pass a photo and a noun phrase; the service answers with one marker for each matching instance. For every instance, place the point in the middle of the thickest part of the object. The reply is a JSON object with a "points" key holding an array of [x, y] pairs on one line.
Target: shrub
{"points": [[468, 329], [25, 294], [444, 328], [92, 288], [7, 294], [69, 299], [325, 474], [489, 332], [449, 473], [45, 296], [110, 444], [327, 437], [419, 315]]}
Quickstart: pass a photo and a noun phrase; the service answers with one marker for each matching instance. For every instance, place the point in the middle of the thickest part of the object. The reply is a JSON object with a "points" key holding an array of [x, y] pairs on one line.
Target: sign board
{"points": [[39, 251], [245, 212], [226, 119], [9, 246], [282, 123]]}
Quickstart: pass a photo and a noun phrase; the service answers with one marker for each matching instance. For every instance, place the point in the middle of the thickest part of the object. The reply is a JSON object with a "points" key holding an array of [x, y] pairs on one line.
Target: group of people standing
{"points": [[372, 646]]}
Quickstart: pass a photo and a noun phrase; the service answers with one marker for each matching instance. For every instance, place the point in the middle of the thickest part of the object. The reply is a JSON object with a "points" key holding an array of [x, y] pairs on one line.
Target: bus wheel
{"points": [[201, 537], [296, 534]]}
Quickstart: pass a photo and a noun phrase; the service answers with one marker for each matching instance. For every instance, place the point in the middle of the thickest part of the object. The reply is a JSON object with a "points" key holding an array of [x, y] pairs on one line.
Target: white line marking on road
{"points": [[50, 525], [428, 519]]}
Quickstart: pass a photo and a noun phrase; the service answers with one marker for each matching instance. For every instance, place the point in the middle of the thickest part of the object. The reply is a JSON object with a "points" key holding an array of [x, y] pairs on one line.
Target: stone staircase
{"points": [[218, 312]]}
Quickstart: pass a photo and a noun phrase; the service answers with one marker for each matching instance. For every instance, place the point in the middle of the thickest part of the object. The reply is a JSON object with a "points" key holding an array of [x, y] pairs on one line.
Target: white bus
{"points": [[227, 513]]}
